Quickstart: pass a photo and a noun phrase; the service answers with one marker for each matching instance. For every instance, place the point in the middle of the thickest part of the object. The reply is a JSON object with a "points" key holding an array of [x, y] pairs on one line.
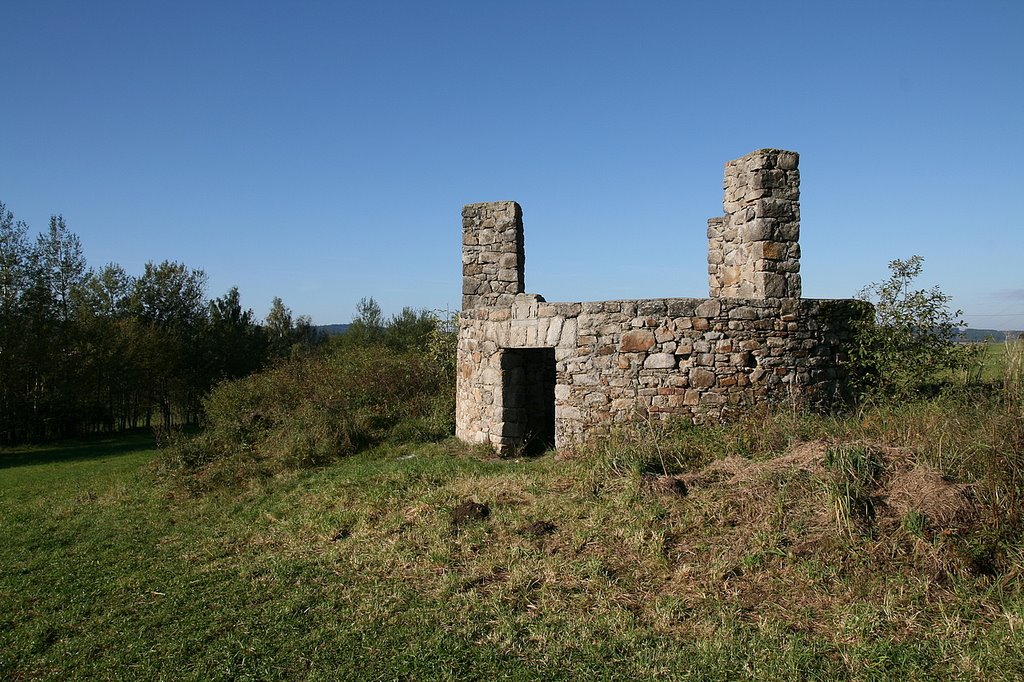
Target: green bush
{"points": [[910, 346], [311, 409]]}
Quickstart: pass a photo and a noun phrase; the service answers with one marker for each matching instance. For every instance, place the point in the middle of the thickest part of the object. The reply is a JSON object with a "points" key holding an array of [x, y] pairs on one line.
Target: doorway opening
{"points": [[528, 388]]}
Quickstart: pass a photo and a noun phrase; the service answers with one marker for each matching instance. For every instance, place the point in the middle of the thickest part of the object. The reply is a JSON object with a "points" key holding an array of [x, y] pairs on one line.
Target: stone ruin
{"points": [[534, 374]]}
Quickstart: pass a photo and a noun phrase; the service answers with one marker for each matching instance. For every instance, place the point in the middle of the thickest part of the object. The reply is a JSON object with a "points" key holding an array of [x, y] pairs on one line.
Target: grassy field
{"points": [[996, 356], [743, 566]]}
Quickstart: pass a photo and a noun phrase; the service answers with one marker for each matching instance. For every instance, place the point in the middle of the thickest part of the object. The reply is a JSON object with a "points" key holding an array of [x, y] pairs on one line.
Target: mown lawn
{"points": [[357, 571]]}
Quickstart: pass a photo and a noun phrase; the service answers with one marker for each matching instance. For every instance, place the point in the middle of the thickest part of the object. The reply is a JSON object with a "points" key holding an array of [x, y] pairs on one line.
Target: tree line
{"points": [[86, 350]]}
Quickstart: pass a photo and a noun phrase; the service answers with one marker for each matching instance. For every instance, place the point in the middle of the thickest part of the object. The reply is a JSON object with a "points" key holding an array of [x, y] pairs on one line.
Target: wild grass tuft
{"points": [[856, 471]]}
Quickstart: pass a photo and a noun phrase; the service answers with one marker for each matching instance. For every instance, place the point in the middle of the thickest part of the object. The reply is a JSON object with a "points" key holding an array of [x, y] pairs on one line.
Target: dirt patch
{"points": [[470, 511], [537, 529], [671, 486]]}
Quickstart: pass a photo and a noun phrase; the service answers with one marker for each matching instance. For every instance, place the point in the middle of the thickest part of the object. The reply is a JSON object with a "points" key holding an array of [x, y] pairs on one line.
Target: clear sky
{"points": [[322, 152]]}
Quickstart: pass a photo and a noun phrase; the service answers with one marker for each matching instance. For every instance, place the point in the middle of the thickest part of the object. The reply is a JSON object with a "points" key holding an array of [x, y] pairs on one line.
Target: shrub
{"points": [[910, 345], [310, 409]]}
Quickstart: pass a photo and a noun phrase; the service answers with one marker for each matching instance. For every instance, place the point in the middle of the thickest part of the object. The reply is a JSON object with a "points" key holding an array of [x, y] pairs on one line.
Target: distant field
{"points": [[994, 359], [357, 571]]}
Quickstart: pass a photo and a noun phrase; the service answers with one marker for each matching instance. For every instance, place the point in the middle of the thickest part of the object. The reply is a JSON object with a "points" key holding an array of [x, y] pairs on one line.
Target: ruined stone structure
{"points": [[536, 374]]}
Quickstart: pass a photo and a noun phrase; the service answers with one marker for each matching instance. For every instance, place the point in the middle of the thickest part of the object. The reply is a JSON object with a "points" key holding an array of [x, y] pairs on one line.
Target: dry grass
{"points": [[883, 542], [601, 565], [749, 540]]}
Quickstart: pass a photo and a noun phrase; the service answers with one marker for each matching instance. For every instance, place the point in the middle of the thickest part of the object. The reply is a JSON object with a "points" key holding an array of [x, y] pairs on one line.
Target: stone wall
{"points": [[528, 369], [614, 361]]}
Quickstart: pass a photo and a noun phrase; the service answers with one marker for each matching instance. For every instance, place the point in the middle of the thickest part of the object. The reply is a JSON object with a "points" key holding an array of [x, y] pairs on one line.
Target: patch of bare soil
{"points": [[538, 529], [670, 486], [469, 511]]}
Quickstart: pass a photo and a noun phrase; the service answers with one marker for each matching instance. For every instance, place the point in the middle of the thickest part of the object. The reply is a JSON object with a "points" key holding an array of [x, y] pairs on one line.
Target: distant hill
{"points": [[975, 335], [332, 329]]}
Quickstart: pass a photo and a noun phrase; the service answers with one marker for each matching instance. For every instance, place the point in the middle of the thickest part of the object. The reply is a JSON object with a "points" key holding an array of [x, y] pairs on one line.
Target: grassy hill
{"points": [[734, 552]]}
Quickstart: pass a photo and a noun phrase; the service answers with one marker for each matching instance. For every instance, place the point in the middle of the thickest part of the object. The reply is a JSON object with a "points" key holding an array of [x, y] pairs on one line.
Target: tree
{"points": [[169, 302], [305, 333], [910, 342], [170, 296], [235, 343], [107, 375], [367, 326], [55, 268], [62, 265], [106, 292], [279, 328], [14, 255], [410, 329], [14, 281]]}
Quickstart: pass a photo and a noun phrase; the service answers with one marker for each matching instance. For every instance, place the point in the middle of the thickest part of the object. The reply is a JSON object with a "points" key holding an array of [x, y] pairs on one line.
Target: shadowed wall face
{"points": [[528, 390]]}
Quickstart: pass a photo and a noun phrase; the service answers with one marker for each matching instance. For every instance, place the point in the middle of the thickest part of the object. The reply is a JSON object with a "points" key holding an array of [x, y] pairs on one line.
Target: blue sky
{"points": [[322, 152]]}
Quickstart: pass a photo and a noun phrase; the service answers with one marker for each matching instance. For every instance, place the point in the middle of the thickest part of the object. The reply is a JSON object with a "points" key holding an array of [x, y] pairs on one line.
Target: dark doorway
{"points": [[528, 387]]}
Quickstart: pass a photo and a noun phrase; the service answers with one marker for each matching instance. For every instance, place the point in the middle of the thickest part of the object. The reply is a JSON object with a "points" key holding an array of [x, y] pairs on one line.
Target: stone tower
{"points": [[493, 257], [754, 250]]}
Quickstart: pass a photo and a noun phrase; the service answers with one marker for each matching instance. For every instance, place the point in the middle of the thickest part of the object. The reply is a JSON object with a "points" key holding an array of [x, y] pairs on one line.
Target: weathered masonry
{"points": [[535, 374]]}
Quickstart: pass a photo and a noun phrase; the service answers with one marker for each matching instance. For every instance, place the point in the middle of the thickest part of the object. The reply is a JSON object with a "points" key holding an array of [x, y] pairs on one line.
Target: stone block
{"points": [[553, 333], [709, 308], [701, 378], [758, 229], [729, 276], [788, 231], [774, 285], [743, 313], [660, 361], [773, 250], [654, 307], [787, 161], [638, 341]]}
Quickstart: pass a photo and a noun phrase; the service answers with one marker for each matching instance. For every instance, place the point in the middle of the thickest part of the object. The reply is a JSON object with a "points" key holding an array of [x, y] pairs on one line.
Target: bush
{"points": [[310, 409], [910, 345]]}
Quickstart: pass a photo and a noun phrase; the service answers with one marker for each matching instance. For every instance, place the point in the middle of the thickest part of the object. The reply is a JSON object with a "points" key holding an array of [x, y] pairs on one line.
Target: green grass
{"points": [[992, 361], [356, 571]]}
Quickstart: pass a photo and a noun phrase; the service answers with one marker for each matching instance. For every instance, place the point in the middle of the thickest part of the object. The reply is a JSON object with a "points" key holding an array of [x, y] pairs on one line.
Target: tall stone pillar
{"points": [[754, 250], [493, 257]]}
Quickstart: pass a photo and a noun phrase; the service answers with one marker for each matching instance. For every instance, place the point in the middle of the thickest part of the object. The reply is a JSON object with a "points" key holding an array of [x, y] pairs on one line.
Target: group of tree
{"points": [[98, 349]]}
